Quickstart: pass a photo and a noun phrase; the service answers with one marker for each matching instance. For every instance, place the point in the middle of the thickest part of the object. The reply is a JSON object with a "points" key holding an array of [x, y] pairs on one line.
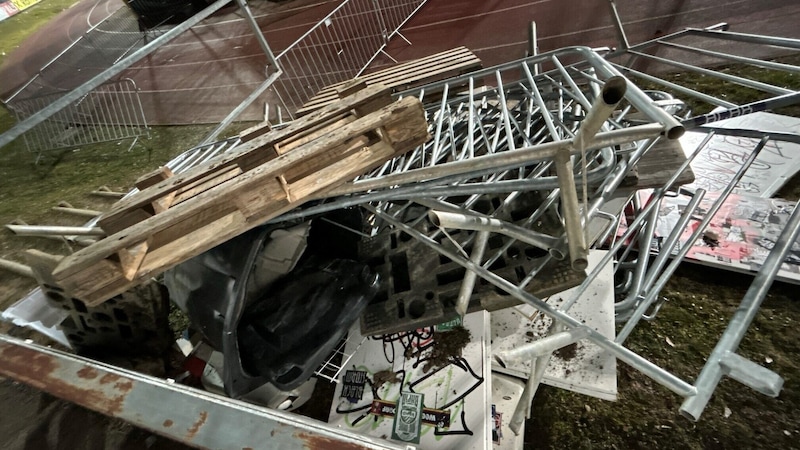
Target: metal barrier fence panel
{"points": [[340, 47], [109, 113]]}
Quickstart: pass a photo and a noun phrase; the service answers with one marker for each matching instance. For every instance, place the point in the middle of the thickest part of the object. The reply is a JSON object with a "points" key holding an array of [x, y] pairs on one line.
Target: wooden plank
{"points": [[255, 131], [327, 158], [350, 87], [347, 167], [85, 258], [309, 135], [115, 223], [229, 209], [163, 203], [350, 102], [177, 228], [409, 75], [402, 75], [42, 265], [381, 76], [407, 109], [168, 255], [204, 184], [98, 275]]}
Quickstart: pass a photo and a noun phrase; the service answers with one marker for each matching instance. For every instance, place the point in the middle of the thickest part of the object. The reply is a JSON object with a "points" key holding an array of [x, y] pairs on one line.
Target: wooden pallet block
{"points": [[405, 75], [231, 197]]}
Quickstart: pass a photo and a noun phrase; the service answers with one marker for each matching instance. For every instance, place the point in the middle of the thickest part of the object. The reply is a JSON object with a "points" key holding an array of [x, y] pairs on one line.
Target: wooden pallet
{"points": [[406, 75], [176, 217]]}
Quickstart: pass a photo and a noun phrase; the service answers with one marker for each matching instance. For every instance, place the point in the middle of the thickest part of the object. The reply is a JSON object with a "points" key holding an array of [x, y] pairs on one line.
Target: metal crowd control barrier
{"points": [[339, 47], [111, 112], [126, 48]]}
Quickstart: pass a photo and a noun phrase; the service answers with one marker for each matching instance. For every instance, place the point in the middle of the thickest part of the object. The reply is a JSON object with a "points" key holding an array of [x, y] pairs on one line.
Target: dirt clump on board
{"points": [[446, 346]]}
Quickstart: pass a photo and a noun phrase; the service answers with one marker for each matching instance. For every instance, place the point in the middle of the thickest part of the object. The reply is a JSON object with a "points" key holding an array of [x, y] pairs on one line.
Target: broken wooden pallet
{"points": [[176, 217], [406, 75]]}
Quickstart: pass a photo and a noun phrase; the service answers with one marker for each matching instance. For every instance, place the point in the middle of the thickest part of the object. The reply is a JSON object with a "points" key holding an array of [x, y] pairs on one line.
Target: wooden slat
{"points": [[402, 75], [154, 177], [385, 76], [376, 90], [207, 183]]}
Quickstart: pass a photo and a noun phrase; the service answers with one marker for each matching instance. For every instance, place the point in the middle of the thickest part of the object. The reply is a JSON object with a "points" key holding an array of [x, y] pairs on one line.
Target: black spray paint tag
{"points": [[353, 385], [408, 419]]}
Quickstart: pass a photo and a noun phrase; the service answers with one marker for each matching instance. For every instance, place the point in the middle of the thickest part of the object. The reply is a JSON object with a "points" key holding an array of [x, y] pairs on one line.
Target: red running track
{"points": [[200, 76]]}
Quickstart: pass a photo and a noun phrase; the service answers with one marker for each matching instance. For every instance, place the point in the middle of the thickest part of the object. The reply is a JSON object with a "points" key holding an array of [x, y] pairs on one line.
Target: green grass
{"points": [[700, 301], [19, 27], [730, 91]]}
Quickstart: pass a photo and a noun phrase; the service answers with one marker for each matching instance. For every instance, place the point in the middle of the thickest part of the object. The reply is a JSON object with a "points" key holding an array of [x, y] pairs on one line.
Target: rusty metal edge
{"points": [[178, 412]]}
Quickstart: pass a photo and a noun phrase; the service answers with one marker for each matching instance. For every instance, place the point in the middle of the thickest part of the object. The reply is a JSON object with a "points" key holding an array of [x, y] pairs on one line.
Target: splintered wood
{"points": [[176, 217]]}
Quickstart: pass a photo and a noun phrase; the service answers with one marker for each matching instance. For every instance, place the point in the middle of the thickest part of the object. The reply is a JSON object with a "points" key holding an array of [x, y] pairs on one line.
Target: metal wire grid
{"points": [[338, 359]]}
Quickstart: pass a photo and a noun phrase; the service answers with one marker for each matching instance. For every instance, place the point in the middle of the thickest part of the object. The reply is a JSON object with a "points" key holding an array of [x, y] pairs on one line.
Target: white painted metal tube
{"points": [[48, 230], [468, 283], [477, 223], [17, 268], [544, 346]]}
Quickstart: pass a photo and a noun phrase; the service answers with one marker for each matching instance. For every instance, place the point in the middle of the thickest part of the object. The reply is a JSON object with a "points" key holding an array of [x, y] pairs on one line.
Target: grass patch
{"points": [[19, 27], [28, 191], [728, 90]]}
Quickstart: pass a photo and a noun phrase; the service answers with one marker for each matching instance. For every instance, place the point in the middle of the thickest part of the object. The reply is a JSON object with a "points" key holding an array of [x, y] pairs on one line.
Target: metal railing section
{"points": [[339, 47], [741, 61], [497, 130], [105, 42], [125, 48], [111, 112]]}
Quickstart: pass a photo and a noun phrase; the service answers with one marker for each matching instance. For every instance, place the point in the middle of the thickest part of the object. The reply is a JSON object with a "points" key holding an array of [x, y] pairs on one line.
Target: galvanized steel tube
{"points": [[712, 372]]}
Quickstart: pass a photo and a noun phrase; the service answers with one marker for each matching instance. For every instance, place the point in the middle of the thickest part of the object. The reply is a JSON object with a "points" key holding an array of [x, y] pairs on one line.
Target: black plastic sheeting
{"points": [[304, 319], [281, 334]]}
